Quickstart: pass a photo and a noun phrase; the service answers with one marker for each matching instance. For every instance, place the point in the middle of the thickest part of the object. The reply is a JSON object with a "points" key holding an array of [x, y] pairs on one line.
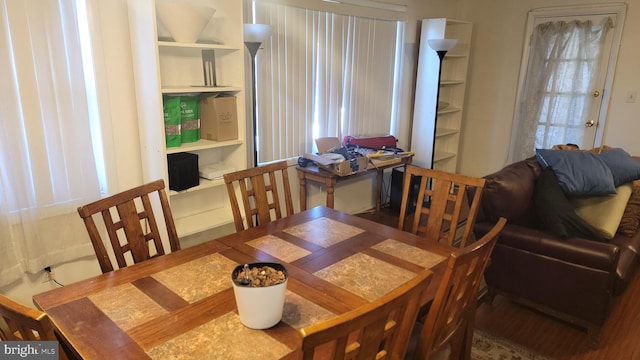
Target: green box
{"points": [[190, 118], [172, 120]]}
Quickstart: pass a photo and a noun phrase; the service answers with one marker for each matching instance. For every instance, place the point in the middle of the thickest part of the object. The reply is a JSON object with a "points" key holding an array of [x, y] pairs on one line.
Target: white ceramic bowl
{"points": [[260, 307], [184, 20]]}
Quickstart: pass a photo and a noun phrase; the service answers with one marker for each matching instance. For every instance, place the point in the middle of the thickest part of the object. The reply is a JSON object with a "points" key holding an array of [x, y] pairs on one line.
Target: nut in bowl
{"points": [[259, 290]]}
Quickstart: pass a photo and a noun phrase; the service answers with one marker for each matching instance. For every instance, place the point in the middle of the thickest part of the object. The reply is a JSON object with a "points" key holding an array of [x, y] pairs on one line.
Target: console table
{"points": [[329, 179]]}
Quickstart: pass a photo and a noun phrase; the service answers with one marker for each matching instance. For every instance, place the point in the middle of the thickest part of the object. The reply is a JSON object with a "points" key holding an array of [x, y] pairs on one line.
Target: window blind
{"points": [[323, 74]]}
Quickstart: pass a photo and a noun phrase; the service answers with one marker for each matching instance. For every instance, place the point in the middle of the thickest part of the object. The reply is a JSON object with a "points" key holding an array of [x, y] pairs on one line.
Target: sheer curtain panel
{"points": [[47, 163], [562, 63], [324, 74]]}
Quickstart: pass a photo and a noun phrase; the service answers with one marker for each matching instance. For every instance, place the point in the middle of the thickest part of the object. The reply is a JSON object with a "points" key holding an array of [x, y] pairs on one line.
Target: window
{"points": [[324, 74], [50, 148]]}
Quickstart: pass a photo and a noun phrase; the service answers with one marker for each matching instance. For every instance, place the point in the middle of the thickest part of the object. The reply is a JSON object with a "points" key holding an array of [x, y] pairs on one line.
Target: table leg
{"points": [[331, 183], [379, 178], [303, 191]]}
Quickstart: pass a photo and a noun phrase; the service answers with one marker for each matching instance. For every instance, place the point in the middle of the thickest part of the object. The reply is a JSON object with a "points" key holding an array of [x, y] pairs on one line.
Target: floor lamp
{"points": [[441, 46], [254, 36]]}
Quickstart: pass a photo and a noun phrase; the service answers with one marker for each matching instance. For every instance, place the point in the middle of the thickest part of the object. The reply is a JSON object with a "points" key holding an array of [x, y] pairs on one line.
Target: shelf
{"points": [[204, 184], [451, 82], [443, 155], [202, 144], [196, 223], [189, 89], [448, 110], [440, 132]]}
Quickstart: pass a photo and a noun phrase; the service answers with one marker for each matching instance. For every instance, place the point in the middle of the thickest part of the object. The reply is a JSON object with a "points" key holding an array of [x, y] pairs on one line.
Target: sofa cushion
{"points": [[555, 212], [508, 193], [579, 173], [604, 213], [623, 167]]}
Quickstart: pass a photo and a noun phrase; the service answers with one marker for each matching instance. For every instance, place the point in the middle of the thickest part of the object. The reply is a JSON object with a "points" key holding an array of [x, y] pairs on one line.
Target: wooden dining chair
{"points": [[377, 330], [442, 211], [22, 323], [448, 328], [260, 194], [134, 228]]}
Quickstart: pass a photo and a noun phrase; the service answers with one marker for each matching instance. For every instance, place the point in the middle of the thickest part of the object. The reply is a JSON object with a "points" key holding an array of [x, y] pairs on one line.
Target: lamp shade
{"points": [[257, 33], [442, 44]]}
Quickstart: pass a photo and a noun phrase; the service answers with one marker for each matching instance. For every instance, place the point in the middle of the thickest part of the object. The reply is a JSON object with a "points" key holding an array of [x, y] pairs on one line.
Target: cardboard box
{"points": [[335, 163], [218, 118]]}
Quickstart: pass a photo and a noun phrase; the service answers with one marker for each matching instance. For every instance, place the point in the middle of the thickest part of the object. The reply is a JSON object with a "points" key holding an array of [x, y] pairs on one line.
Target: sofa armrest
{"points": [[588, 253]]}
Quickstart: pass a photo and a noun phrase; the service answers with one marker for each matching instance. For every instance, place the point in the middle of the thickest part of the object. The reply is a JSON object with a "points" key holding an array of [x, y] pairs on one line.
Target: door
{"points": [[567, 69]]}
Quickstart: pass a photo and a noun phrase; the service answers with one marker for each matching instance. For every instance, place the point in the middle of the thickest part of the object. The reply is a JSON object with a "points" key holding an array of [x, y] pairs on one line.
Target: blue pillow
{"points": [[579, 173], [623, 167]]}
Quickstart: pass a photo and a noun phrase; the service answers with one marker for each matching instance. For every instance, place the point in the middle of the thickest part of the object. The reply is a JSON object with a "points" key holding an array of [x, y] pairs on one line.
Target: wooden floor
{"points": [[619, 339]]}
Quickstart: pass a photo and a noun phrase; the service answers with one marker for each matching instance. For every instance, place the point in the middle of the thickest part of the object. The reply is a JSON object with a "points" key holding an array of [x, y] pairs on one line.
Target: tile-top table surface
{"points": [[181, 305]]}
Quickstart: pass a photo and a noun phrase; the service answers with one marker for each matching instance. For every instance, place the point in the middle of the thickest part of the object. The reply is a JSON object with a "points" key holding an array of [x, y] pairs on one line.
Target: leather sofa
{"points": [[573, 279]]}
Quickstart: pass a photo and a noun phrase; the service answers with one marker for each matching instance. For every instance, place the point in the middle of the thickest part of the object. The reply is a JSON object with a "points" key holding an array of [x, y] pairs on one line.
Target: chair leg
{"points": [[489, 296], [593, 334], [467, 340], [460, 344]]}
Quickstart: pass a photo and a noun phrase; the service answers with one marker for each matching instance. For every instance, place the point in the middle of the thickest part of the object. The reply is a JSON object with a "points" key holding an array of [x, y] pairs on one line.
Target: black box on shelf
{"points": [[183, 171]]}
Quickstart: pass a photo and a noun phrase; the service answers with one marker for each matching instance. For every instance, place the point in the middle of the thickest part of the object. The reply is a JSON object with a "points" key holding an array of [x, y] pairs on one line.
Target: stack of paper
{"points": [[214, 171]]}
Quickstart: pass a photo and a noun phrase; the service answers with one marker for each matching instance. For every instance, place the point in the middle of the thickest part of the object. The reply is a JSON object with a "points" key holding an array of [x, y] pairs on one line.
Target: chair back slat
{"points": [[134, 229], [443, 211], [261, 196], [378, 330], [22, 323], [451, 316]]}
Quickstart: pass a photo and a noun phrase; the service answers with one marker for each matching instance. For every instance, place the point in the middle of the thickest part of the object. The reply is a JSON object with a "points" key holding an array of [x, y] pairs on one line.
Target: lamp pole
{"points": [[441, 54], [253, 51], [441, 47], [254, 36]]}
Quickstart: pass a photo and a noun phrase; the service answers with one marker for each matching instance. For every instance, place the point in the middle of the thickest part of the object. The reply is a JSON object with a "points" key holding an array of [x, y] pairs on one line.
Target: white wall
{"points": [[499, 27]]}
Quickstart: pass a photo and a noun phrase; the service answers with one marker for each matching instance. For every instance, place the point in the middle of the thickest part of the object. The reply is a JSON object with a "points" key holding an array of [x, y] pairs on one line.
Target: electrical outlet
{"points": [[48, 274]]}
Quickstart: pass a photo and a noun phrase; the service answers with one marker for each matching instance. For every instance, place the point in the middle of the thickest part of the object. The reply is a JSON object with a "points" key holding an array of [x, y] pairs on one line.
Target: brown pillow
{"points": [[631, 217]]}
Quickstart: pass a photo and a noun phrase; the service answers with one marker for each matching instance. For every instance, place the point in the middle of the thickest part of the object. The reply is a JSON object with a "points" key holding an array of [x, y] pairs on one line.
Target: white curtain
{"points": [[323, 74], [47, 163], [562, 62]]}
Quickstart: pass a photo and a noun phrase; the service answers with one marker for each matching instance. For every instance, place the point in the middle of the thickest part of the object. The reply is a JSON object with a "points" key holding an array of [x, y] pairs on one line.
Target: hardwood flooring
{"points": [[619, 338], [556, 339]]}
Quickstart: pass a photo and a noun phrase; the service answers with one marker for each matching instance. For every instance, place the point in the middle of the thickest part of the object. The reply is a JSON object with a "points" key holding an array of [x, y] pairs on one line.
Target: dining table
{"points": [[181, 305]]}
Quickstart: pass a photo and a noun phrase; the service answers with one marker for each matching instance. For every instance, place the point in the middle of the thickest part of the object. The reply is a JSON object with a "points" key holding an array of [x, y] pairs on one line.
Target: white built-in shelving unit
{"points": [[163, 66], [452, 93]]}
